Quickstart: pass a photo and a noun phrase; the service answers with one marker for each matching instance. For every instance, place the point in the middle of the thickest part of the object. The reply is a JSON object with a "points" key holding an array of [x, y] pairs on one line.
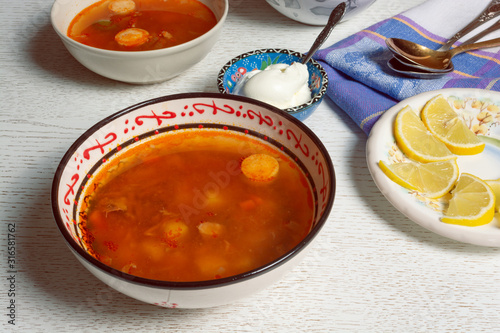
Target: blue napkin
{"points": [[361, 83]]}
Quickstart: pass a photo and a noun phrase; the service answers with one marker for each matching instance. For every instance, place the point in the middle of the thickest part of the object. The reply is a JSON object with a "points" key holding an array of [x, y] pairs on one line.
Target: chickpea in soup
{"points": [[194, 206], [141, 25]]}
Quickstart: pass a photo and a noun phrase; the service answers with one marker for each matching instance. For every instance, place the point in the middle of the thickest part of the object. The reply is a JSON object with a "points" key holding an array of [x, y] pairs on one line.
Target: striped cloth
{"points": [[364, 87]]}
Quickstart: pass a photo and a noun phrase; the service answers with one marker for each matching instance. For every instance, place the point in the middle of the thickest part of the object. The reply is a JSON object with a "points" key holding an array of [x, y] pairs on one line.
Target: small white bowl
{"points": [[139, 67], [196, 111], [316, 12]]}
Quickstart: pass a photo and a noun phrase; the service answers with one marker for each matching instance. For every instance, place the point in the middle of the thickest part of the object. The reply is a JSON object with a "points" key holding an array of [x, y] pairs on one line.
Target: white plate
{"points": [[481, 110]]}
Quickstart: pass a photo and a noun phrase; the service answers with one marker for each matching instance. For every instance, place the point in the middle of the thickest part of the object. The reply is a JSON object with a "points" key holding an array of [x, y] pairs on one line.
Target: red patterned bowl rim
{"points": [[195, 284]]}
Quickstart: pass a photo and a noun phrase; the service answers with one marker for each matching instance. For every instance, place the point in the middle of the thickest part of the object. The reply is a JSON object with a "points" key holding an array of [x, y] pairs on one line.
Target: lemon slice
{"points": [[432, 180], [495, 186], [413, 138], [472, 203], [442, 121]]}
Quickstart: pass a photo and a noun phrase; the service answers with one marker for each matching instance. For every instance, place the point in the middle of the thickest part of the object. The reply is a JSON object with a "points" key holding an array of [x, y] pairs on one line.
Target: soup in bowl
{"points": [[139, 41], [193, 200]]}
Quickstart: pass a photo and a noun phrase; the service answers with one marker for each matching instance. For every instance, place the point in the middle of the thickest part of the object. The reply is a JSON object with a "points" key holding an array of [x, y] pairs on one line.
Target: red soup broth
{"points": [[179, 208], [141, 25]]}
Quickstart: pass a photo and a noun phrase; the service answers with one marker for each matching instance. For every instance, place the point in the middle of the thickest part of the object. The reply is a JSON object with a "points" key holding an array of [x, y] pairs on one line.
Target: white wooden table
{"points": [[371, 270]]}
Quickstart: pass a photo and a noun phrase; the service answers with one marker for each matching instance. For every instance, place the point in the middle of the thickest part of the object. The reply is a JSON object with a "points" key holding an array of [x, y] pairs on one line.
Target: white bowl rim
{"points": [[146, 53], [205, 284]]}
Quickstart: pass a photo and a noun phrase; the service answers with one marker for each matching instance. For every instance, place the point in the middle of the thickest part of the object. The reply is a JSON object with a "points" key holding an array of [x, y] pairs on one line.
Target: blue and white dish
{"points": [[234, 70]]}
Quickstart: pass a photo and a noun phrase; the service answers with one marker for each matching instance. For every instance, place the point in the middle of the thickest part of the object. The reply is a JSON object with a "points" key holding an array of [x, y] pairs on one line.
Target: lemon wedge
{"points": [[442, 121], [495, 186], [433, 179], [413, 138], [472, 203]]}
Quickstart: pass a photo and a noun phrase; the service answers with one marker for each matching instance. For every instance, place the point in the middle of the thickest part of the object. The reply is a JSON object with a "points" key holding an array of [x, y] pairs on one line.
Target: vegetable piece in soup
{"points": [[141, 25], [179, 207]]}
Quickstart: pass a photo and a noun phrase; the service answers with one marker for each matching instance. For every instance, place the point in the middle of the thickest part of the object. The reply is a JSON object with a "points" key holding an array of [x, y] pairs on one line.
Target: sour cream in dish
{"points": [[280, 85]]}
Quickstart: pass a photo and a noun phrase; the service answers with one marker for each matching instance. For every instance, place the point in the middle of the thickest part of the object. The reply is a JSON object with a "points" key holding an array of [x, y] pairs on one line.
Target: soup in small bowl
{"points": [[193, 200], [139, 41]]}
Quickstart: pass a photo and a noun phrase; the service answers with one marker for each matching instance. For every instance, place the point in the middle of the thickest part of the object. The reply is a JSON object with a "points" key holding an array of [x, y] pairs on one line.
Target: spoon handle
{"points": [[481, 45], [492, 11], [335, 17], [483, 33]]}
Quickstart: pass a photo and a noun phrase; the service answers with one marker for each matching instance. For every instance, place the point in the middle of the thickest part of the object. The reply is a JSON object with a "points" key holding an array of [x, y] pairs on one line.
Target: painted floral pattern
{"points": [[482, 116]]}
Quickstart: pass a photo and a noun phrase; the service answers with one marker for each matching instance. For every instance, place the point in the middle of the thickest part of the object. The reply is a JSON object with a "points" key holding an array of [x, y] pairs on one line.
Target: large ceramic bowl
{"points": [[139, 67], [316, 12], [125, 129], [233, 71]]}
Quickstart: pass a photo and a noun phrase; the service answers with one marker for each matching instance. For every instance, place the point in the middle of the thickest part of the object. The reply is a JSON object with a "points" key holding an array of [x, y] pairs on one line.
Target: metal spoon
{"points": [[492, 11], [450, 67], [442, 59], [334, 18], [415, 67], [407, 48], [412, 72], [422, 73]]}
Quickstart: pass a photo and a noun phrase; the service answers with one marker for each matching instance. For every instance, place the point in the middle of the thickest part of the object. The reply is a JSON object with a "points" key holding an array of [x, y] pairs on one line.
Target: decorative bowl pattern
{"points": [[197, 111], [234, 70], [316, 12]]}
